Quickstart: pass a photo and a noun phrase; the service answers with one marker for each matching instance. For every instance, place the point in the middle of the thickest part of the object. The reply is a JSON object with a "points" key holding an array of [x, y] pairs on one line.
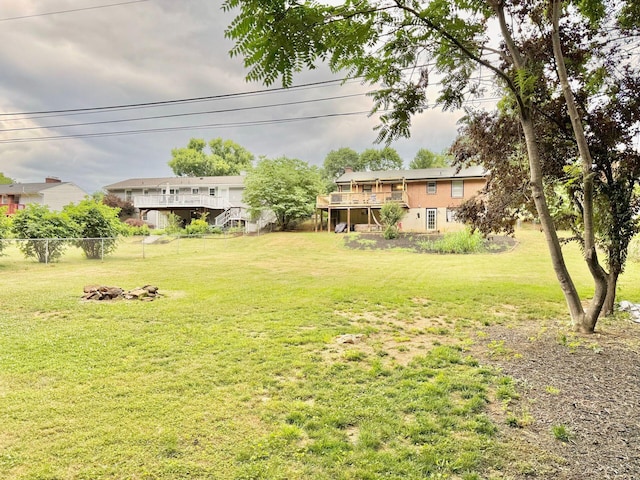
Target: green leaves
{"points": [[226, 158], [285, 186]]}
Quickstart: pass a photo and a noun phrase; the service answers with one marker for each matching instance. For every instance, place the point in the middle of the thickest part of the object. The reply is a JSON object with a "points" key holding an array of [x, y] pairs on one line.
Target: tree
{"points": [[5, 227], [126, 209], [6, 180], [390, 214], [380, 41], [427, 159], [337, 160], [386, 158], [47, 233], [98, 227], [226, 158], [288, 187]]}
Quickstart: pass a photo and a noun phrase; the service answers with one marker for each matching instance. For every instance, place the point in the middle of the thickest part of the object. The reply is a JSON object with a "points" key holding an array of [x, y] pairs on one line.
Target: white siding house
{"points": [[53, 193], [188, 197]]}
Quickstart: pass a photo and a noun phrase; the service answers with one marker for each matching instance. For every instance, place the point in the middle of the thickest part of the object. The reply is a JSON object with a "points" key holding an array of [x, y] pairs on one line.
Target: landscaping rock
{"points": [[103, 292]]}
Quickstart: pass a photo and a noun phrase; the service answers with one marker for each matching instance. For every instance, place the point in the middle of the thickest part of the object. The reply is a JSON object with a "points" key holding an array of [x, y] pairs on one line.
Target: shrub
{"points": [[136, 227], [456, 242], [390, 214], [5, 227], [49, 233], [98, 226]]}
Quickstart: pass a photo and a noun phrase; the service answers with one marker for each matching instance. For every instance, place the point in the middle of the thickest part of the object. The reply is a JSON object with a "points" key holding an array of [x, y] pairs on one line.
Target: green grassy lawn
{"points": [[235, 373]]}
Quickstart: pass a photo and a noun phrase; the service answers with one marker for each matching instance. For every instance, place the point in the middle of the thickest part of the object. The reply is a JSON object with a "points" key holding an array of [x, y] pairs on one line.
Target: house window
{"points": [[213, 191], [397, 187], [431, 188], [431, 218], [451, 215], [367, 188], [457, 188], [145, 191], [195, 191], [127, 195]]}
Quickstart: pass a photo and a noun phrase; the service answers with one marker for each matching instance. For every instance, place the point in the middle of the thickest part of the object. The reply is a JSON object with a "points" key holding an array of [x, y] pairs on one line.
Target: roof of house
{"points": [[28, 188], [413, 174], [231, 180]]}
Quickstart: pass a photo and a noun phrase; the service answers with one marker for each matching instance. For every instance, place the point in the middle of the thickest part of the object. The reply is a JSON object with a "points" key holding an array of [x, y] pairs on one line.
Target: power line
{"points": [[129, 106], [175, 115], [187, 127], [71, 10]]}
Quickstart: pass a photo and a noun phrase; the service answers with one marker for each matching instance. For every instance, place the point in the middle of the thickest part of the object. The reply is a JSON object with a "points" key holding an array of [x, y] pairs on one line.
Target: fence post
{"points": [[102, 249], [46, 251]]}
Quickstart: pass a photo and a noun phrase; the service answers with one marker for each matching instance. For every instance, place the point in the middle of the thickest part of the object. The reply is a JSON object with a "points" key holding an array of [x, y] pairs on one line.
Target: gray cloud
{"points": [[154, 51]]}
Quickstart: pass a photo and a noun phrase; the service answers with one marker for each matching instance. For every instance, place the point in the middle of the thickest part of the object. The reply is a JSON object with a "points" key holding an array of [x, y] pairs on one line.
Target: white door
{"points": [[432, 214]]}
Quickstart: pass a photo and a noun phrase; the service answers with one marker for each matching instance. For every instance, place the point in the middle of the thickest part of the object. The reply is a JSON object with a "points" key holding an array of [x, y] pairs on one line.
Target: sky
{"points": [[80, 54]]}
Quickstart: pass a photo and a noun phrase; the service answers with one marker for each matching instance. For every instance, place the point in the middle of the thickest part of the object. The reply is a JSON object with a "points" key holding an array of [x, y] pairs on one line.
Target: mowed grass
{"points": [[235, 373]]}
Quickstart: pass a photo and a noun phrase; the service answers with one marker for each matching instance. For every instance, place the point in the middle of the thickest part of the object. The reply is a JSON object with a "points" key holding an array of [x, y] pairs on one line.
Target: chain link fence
{"points": [[49, 250]]}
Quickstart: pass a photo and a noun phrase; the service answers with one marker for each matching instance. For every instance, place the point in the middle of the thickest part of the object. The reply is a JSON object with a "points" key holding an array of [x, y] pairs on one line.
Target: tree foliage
{"points": [[385, 158], [47, 233], [390, 215], [288, 187], [98, 227], [425, 158], [225, 158], [337, 160], [398, 45], [5, 228], [6, 180], [126, 209]]}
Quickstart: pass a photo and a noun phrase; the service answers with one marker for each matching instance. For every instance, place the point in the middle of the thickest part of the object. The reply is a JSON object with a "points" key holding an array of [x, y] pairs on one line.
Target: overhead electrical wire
{"points": [[71, 10], [187, 127]]}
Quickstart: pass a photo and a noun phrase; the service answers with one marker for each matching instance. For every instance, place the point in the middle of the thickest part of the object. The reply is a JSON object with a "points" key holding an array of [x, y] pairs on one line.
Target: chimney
{"points": [[52, 180], [348, 170]]}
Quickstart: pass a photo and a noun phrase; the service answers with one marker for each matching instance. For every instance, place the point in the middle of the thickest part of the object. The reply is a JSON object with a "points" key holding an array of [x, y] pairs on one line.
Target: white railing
{"points": [[232, 213], [163, 201]]}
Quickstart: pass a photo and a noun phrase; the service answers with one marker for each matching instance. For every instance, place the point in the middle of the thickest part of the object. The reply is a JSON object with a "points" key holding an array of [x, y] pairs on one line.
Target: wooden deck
{"points": [[361, 199]]}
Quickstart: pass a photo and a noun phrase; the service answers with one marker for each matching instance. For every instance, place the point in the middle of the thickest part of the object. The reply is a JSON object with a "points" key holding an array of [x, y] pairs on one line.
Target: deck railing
{"points": [[358, 199], [164, 201]]}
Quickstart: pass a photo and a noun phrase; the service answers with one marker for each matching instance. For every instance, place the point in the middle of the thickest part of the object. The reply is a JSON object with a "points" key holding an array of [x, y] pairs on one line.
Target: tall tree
{"points": [[379, 41], [385, 158], [226, 158], [427, 159], [288, 187], [337, 160]]}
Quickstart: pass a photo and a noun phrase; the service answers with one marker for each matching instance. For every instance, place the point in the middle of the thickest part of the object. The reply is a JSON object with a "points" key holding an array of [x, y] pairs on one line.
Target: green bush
{"points": [[48, 233], [5, 227], [197, 227], [98, 227], [390, 214], [463, 241]]}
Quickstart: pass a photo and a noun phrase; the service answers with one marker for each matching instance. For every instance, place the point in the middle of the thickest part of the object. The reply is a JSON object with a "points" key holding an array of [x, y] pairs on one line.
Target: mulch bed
{"points": [[588, 383]]}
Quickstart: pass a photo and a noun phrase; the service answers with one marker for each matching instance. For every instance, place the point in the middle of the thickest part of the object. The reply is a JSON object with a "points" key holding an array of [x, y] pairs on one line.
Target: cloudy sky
{"points": [[58, 55]]}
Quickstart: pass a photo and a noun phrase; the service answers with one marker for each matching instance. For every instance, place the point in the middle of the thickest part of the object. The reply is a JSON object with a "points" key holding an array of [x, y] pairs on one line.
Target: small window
{"points": [[145, 191], [195, 191], [213, 191], [397, 187], [457, 188], [367, 188], [431, 188], [127, 195], [451, 215]]}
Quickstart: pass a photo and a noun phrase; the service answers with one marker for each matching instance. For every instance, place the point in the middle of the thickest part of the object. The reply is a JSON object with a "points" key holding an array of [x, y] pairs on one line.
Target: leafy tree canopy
{"points": [[385, 158], [49, 232], [285, 186], [337, 160], [98, 227], [6, 180], [427, 159], [225, 158]]}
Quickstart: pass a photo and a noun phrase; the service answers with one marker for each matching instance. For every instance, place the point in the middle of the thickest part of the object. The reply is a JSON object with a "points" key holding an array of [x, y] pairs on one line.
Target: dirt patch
{"points": [[579, 400], [418, 241]]}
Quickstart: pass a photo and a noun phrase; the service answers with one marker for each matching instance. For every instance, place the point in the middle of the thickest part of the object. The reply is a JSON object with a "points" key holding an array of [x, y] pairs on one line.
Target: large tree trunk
{"points": [[588, 322], [535, 171], [610, 300]]}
